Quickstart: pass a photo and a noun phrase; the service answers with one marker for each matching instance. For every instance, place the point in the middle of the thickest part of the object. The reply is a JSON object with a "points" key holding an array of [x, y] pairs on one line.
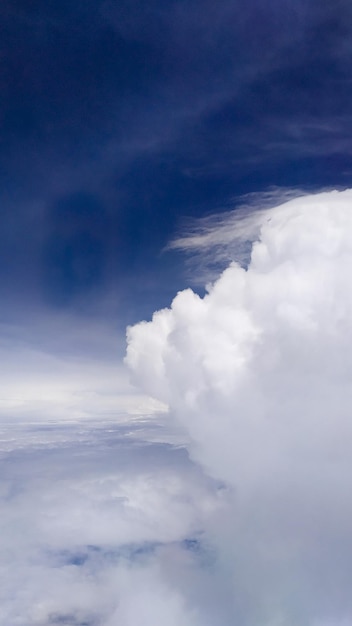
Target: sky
{"points": [[180, 170]]}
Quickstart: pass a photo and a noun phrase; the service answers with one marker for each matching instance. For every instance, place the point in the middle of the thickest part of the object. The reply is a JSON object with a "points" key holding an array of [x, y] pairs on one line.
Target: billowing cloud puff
{"points": [[258, 373]]}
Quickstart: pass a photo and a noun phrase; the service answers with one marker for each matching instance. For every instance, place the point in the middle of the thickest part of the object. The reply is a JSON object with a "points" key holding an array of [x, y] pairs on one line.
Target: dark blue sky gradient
{"points": [[119, 119]]}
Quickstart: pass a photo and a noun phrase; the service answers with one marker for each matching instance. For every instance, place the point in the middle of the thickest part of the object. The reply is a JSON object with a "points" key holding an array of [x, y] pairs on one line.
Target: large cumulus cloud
{"points": [[258, 373]]}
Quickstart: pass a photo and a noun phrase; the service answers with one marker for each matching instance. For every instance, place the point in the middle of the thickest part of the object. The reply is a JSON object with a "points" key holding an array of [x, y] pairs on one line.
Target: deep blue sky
{"points": [[120, 119]]}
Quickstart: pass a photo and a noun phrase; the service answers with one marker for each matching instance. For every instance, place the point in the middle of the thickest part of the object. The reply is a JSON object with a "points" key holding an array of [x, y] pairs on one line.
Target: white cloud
{"points": [[105, 519], [258, 373], [94, 487], [89, 519]]}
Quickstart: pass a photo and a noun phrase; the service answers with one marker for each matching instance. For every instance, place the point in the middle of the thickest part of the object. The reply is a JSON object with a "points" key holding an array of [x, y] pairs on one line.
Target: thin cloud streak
{"points": [[214, 241]]}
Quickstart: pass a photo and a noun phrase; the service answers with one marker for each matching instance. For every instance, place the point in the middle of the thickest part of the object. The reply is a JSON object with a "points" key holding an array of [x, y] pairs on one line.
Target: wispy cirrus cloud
{"points": [[214, 241]]}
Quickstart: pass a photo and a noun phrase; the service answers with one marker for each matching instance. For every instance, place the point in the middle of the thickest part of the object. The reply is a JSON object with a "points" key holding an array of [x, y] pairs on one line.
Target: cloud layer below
{"points": [[258, 375], [100, 524]]}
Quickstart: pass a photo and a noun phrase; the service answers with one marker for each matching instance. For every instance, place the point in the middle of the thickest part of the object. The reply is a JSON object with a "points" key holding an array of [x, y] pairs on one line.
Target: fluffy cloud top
{"points": [[258, 373]]}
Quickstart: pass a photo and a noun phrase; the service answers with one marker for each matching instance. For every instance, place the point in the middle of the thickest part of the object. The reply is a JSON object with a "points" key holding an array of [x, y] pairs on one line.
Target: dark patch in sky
{"points": [[69, 619], [149, 112], [74, 254]]}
